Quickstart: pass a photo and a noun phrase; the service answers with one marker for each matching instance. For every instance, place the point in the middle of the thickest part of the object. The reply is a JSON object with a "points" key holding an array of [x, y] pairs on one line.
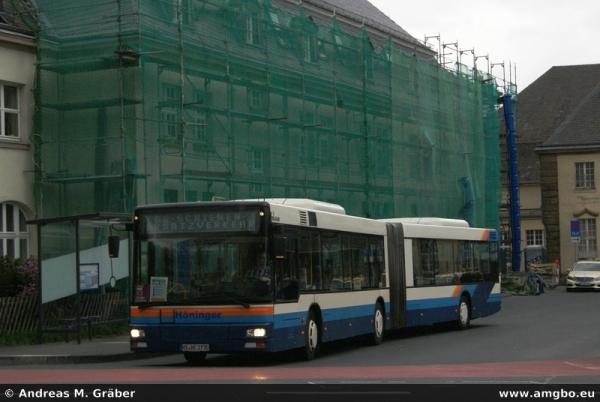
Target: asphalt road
{"points": [[547, 339]]}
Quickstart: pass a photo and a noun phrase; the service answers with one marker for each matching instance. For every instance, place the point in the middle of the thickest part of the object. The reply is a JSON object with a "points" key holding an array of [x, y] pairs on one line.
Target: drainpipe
{"points": [[513, 181], [468, 201]]}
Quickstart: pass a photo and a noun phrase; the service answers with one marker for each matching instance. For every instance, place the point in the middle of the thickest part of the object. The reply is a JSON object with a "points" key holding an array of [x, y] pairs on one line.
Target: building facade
{"points": [[17, 72], [559, 150]]}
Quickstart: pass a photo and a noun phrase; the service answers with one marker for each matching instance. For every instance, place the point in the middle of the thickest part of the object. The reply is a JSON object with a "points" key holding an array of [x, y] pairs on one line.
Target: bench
{"points": [[71, 324]]}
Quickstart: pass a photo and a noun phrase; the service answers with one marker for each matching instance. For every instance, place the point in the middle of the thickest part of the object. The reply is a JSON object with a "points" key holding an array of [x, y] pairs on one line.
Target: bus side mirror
{"points": [[280, 247], [113, 246]]}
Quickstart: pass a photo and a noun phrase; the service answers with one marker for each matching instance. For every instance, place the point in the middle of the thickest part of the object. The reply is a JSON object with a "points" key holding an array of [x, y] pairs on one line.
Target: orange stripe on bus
{"points": [[457, 290], [485, 234]]}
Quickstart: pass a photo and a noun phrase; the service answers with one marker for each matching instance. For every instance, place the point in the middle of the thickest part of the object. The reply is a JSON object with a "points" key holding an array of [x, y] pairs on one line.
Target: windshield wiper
{"points": [[226, 296], [165, 303]]}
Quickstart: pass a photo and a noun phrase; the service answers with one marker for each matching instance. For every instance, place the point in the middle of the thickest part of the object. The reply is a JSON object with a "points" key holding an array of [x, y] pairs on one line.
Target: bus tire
{"points": [[311, 337], [378, 324], [464, 313], [194, 357]]}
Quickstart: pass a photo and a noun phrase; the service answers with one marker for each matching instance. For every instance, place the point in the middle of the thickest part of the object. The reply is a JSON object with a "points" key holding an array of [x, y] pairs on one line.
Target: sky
{"points": [[528, 36]]}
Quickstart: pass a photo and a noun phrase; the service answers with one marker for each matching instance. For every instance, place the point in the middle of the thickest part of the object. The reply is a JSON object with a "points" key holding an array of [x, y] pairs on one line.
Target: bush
{"points": [[18, 278], [27, 274], [8, 277]]}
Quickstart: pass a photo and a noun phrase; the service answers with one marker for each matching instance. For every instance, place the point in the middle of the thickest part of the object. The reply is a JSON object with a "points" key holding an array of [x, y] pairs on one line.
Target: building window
{"points": [[191, 195], [256, 189], [256, 163], [14, 234], [252, 33], [170, 195], [584, 175], [169, 103], [535, 237], [304, 145], [381, 156], [309, 49], [338, 40], [276, 24], [324, 147], [9, 111], [274, 18], [255, 99], [326, 121], [199, 127], [197, 118], [309, 147], [588, 244], [170, 94], [169, 119]]}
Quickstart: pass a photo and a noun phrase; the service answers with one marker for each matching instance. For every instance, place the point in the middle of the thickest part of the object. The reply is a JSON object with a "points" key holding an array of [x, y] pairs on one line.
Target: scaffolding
{"points": [[144, 102]]}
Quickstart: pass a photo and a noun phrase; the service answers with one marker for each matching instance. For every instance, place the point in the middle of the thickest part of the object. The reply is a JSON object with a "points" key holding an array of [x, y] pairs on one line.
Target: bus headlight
{"points": [[137, 333], [256, 332]]}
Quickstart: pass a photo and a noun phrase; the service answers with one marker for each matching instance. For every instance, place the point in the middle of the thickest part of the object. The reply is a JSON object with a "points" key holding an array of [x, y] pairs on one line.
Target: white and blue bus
{"points": [[324, 276]]}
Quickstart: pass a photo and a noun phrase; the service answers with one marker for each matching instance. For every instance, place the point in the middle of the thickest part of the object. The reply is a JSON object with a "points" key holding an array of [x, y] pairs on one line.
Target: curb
{"points": [[25, 360]]}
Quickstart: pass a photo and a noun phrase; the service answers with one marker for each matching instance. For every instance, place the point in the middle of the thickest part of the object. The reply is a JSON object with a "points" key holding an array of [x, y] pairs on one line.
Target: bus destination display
{"points": [[196, 221]]}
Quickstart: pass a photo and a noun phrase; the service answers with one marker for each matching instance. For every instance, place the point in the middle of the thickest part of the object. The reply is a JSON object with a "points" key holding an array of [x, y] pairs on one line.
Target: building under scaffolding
{"points": [[158, 101]]}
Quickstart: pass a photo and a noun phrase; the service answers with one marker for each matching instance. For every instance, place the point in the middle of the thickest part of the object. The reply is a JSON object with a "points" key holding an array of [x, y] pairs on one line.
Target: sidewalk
{"points": [[95, 351]]}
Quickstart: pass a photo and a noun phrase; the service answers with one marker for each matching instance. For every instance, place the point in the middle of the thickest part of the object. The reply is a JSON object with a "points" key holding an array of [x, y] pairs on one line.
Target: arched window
{"points": [[14, 234]]}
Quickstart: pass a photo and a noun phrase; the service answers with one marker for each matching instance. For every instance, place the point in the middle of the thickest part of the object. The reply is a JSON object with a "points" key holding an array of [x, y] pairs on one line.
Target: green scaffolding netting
{"points": [[181, 100]]}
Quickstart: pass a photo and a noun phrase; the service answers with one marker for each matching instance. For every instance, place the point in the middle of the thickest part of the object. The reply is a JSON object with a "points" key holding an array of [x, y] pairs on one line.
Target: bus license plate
{"points": [[195, 347]]}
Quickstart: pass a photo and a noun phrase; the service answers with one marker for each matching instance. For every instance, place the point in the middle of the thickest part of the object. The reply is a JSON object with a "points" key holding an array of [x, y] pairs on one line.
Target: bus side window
{"points": [[467, 256], [310, 259], [416, 262], [374, 261], [330, 255], [445, 259], [286, 270]]}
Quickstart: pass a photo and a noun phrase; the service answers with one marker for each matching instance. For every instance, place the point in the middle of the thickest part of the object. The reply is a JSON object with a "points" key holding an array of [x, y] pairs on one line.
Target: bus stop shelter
{"points": [[74, 262]]}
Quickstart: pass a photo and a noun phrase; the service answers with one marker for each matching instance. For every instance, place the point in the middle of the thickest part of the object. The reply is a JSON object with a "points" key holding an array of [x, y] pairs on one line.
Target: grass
{"points": [[33, 337]]}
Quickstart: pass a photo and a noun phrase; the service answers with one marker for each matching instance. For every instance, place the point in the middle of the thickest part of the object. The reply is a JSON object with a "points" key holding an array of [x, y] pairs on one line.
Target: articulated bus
{"points": [[324, 276]]}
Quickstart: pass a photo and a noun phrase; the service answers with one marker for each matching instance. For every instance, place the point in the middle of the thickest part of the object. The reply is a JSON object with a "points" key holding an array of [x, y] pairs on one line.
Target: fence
{"points": [[22, 313], [18, 314]]}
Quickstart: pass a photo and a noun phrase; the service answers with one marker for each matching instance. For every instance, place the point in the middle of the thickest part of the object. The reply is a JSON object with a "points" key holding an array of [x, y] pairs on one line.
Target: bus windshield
{"points": [[202, 271]]}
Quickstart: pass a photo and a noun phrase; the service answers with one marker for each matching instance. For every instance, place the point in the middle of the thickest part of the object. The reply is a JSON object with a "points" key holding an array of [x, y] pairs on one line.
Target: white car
{"points": [[584, 275]]}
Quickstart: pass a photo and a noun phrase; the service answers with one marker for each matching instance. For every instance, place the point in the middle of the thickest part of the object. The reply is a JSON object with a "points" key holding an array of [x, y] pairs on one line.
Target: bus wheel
{"points": [[378, 322], [194, 357], [464, 316], [312, 337]]}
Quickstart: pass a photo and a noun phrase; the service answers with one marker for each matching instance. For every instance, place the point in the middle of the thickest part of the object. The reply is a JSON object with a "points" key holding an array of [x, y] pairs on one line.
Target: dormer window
{"points": [[252, 32], [274, 18], [309, 49], [338, 40]]}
